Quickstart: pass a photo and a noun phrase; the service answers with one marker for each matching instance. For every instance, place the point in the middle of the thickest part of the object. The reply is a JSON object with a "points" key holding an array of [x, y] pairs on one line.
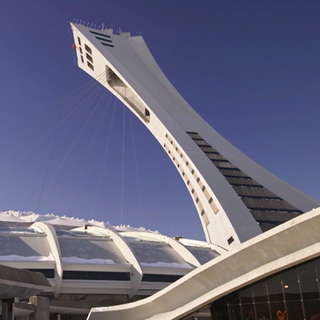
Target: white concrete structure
{"points": [[287, 245], [91, 260], [236, 199]]}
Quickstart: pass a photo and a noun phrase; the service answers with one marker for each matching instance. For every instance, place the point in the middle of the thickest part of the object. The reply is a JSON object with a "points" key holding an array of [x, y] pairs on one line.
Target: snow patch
{"points": [[166, 265], [14, 257], [86, 261]]}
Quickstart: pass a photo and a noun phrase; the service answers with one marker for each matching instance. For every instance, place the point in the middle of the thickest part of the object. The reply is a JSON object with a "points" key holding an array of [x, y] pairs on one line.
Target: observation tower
{"points": [[241, 272], [236, 199]]}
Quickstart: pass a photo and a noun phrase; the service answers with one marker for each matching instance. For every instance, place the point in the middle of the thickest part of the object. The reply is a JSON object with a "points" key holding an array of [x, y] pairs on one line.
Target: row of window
{"points": [[107, 276], [257, 197], [104, 37], [194, 194], [88, 55], [292, 294]]}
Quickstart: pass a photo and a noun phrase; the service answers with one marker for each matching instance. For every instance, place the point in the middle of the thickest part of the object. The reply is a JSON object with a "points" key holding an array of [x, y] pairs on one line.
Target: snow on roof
{"points": [[101, 224], [167, 265], [14, 257], [83, 245], [52, 219], [86, 261], [127, 228], [31, 216], [194, 243], [65, 221], [9, 217]]}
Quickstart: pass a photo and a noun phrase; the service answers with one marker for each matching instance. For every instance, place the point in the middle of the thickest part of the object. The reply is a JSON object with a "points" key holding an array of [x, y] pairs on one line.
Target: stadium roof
{"points": [[86, 257]]}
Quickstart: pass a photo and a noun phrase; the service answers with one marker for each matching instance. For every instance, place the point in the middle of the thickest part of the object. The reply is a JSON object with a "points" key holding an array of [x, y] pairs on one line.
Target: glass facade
{"points": [[203, 255], [155, 252], [292, 294], [17, 247], [90, 249]]}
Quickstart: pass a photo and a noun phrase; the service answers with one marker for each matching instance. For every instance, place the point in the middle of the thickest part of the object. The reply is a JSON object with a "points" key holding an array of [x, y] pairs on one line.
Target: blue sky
{"points": [[250, 68]]}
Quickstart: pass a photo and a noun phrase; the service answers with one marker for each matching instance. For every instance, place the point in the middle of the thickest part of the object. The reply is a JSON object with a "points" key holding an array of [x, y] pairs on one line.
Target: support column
{"points": [[42, 307], [7, 309]]}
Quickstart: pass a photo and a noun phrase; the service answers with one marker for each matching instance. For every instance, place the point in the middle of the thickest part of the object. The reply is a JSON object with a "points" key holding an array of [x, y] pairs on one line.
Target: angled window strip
{"points": [[107, 40], [100, 34], [107, 44]]}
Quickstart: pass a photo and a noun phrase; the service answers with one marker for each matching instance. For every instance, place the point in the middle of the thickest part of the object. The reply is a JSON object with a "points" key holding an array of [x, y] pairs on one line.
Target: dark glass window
{"points": [[80, 50], [96, 275], [220, 310], [100, 34], [108, 45], [48, 273], [293, 293], [292, 296], [247, 301], [79, 41], [309, 284], [275, 294], [90, 65], [106, 40], [82, 59], [160, 277], [88, 49], [234, 304], [89, 57]]}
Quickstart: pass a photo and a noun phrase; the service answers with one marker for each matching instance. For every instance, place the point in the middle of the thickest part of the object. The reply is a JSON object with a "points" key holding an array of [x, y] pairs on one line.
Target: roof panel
{"points": [[152, 253], [82, 250], [24, 246]]}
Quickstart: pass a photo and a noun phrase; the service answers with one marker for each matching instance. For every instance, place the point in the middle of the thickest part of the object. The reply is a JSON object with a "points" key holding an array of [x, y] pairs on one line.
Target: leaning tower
{"points": [[236, 198]]}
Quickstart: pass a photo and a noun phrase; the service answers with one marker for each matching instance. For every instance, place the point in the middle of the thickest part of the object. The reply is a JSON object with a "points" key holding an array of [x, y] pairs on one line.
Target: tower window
{"points": [[89, 57], [107, 45], [88, 49], [90, 65], [103, 39], [79, 41], [100, 34]]}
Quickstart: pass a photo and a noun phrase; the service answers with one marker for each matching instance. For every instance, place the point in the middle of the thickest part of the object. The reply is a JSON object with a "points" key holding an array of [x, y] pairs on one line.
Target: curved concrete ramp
{"points": [[291, 243], [21, 283]]}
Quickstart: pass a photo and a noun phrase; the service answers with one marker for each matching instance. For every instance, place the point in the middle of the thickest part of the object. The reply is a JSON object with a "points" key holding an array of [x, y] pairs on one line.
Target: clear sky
{"points": [[250, 68]]}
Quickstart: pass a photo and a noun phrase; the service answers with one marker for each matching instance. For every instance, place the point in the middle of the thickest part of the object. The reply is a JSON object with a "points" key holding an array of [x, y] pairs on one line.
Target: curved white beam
{"points": [[123, 246], [56, 252], [287, 245]]}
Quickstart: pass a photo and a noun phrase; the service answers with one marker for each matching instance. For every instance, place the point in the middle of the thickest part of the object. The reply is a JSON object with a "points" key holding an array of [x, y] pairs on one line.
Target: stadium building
{"points": [[261, 255], [267, 270], [91, 263]]}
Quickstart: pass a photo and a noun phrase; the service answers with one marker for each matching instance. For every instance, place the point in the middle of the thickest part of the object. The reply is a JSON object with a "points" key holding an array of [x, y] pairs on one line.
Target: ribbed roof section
{"points": [[81, 256]]}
